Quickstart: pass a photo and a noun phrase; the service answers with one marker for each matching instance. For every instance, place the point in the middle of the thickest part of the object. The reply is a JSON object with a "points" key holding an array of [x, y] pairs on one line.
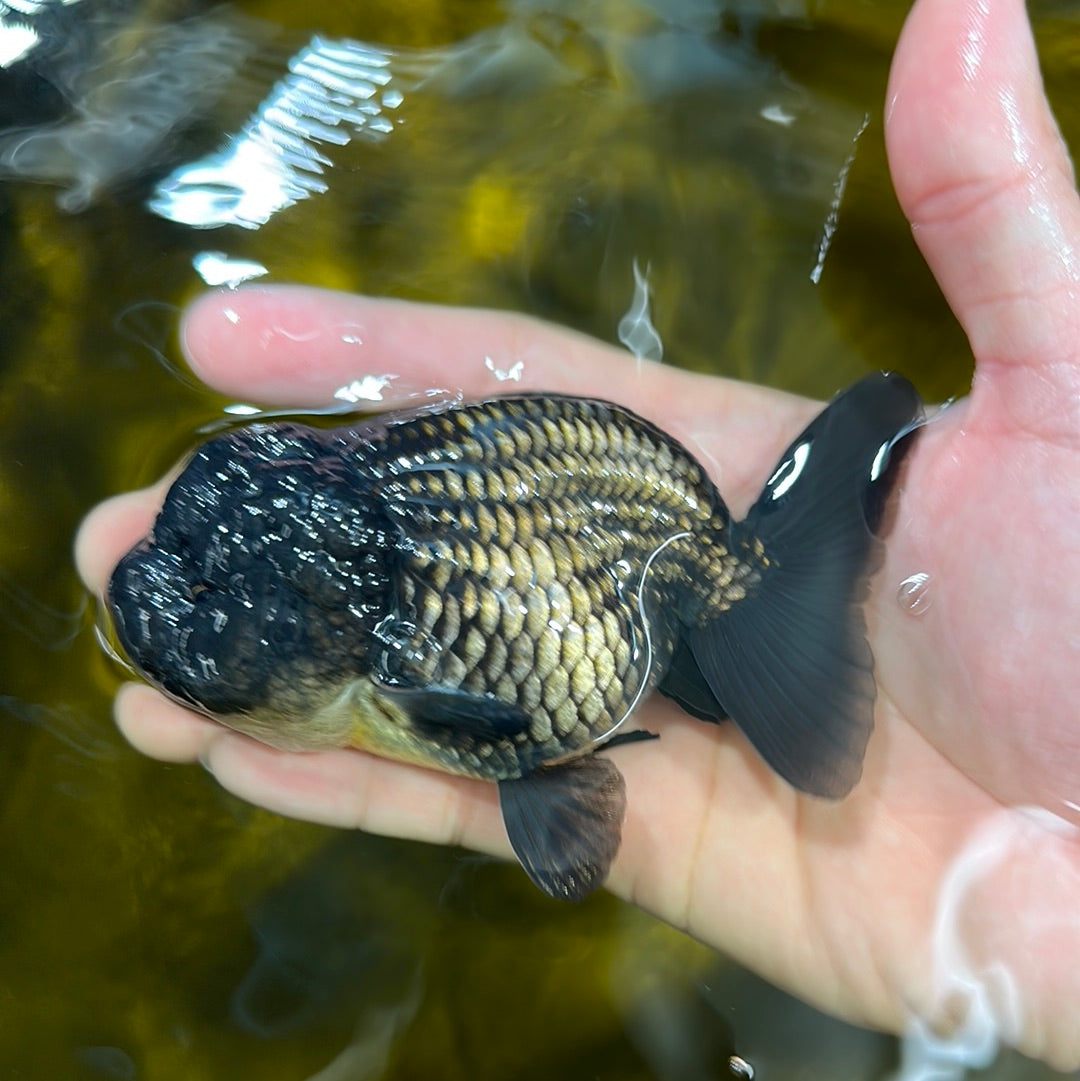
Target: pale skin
{"points": [[977, 696]]}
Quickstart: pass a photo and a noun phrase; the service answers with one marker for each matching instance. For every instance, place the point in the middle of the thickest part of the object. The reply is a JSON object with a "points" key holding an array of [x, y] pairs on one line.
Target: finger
{"points": [[338, 788], [984, 177], [160, 728], [354, 790], [110, 530], [297, 345]]}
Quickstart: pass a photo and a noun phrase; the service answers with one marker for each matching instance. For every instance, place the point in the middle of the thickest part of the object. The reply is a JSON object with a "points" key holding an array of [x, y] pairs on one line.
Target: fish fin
{"points": [[639, 735], [479, 714], [565, 824], [686, 684], [790, 663]]}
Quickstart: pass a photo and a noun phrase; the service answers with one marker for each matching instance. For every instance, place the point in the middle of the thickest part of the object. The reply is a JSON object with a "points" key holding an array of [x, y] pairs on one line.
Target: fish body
{"points": [[491, 588]]}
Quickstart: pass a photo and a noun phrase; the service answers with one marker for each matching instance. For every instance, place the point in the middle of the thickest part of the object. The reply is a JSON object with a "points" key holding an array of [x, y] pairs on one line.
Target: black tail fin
{"points": [[790, 664]]}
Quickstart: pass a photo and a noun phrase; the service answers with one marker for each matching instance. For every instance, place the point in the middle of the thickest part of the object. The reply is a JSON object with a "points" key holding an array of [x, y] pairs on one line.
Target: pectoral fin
{"points": [[565, 824], [638, 735], [482, 715]]}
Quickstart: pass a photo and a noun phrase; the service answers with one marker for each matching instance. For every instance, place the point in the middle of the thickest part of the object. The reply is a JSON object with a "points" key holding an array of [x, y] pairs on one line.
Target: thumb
{"points": [[983, 176]]}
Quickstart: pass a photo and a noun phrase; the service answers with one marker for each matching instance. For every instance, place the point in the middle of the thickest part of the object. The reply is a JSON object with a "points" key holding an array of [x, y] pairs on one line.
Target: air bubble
{"points": [[740, 1068], [914, 594]]}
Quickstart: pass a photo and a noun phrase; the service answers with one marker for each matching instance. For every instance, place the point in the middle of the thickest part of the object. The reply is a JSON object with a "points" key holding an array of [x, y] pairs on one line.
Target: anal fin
{"points": [[686, 684], [565, 824]]}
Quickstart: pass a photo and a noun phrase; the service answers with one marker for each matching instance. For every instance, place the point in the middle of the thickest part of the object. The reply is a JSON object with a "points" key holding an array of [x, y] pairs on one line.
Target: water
{"points": [[1007, 855], [915, 593], [153, 927]]}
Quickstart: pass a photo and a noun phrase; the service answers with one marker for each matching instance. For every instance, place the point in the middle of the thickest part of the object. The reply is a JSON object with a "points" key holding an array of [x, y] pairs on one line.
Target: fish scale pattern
{"points": [[526, 538]]}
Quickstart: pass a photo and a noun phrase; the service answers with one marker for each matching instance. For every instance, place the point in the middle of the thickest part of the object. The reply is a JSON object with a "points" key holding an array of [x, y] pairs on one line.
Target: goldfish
{"points": [[492, 588]]}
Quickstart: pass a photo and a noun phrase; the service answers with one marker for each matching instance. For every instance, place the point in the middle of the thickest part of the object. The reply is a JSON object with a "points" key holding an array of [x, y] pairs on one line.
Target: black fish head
{"points": [[262, 579]]}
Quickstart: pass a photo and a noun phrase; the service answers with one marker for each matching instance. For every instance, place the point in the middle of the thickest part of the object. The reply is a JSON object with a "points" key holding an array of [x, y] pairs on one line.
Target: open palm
{"points": [[922, 894]]}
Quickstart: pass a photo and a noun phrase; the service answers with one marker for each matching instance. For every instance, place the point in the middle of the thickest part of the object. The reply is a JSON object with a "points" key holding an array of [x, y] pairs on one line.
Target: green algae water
{"points": [[153, 927]]}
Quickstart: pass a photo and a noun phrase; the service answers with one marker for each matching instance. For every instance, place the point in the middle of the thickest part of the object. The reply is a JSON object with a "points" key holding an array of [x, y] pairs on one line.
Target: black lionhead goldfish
{"points": [[491, 588]]}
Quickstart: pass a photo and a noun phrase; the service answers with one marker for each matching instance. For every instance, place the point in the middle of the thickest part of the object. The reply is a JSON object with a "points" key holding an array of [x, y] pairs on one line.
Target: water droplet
{"points": [[740, 1068], [914, 594], [514, 372], [368, 388]]}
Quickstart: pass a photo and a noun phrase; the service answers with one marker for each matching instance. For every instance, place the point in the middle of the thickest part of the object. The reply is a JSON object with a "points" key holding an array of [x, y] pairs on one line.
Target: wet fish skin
{"points": [[494, 549], [490, 589]]}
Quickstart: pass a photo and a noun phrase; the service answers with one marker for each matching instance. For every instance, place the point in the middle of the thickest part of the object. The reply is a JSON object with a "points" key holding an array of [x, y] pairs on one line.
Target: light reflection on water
{"points": [[151, 926]]}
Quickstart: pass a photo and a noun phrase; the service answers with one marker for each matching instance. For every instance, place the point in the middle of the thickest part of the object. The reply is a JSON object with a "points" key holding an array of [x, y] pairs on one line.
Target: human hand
{"points": [[835, 901]]}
